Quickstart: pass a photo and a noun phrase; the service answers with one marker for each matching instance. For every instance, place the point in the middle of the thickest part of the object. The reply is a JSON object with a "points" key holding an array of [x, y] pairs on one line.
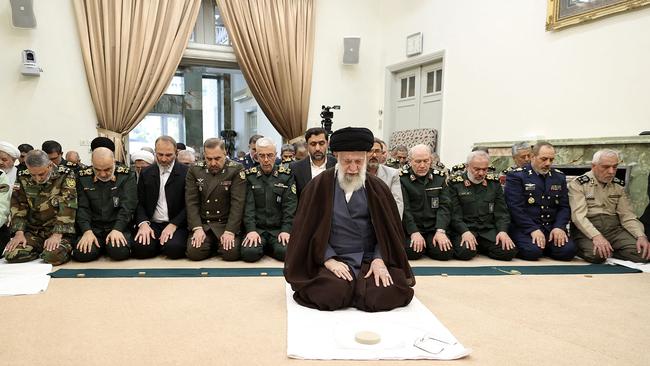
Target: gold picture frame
{"points": [[565, 13]]}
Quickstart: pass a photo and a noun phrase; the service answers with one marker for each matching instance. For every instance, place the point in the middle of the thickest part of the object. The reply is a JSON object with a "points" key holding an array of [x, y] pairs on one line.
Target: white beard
{"points": [[350, 184]]}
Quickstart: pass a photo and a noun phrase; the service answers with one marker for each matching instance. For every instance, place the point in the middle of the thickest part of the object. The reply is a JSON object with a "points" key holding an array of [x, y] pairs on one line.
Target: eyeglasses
{"points": [[268, 156]]}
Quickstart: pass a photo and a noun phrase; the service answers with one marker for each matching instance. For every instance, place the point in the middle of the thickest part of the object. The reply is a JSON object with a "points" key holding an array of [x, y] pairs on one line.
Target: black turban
{"points": [[352, 139], [102, 142]]}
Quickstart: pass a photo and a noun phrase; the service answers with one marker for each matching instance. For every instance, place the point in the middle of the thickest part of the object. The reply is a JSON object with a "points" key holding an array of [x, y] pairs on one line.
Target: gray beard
{"points": [[350, 184], [471, 178]]}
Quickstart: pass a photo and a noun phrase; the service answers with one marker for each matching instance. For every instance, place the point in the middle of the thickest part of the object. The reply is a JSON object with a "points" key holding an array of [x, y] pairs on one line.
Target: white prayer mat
{"points": [[408, 333], [645, 267], [24, 278]]}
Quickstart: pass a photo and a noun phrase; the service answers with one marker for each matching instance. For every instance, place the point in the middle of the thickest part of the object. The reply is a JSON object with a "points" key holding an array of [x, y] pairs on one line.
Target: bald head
{"points": [[103, 163]]}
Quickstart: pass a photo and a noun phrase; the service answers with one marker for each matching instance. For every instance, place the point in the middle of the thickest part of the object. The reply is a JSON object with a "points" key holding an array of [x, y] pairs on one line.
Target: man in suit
{"points": [[161, 215], [388, 175], [306, 169]]}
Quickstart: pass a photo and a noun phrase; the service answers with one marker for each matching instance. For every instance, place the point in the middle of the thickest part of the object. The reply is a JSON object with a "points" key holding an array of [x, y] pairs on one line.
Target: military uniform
{"points": [[426, 209], [480, 209], [103, 207], [40, 210], [215, 202], [603, 209], [535, 202], [70, 165], [270, 206], [462, 167], [393, 163]]}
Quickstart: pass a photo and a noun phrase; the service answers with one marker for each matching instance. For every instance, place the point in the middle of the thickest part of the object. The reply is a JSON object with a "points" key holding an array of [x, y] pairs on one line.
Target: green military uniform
{"points": [[393, 163], [480, 209], [103, 207], [462, 167], [40, 210], [426, 209], [70, 165], [271, 203], [603, 209], [215, 202]]}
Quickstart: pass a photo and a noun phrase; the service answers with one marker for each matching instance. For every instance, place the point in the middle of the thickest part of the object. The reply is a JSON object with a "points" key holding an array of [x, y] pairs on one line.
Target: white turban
{"points": [[9, 149], [142, 155]]}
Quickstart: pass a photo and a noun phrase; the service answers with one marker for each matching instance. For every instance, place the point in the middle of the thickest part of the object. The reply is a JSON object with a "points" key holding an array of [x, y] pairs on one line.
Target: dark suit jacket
{"points": [[301, 171], [149, 187]]}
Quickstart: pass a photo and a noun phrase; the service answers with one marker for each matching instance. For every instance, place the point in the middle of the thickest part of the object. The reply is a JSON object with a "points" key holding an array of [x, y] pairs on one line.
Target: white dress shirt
{"points": [[315, 169], [161, 214]]}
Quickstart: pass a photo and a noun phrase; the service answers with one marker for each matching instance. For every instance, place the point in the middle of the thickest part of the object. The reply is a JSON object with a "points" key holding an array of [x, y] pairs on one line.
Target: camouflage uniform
{"points": [[270, 206], [215, 202], [40, 210], [103, 207], [426, 209]]}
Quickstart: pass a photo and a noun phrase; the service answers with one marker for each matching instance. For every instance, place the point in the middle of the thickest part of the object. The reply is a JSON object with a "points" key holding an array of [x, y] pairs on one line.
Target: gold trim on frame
{"points": [[553, 10]]}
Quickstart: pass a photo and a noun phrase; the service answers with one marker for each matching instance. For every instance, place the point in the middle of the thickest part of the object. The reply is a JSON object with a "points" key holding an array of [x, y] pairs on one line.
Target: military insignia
{"points": [[529, 186], [200, 163], [200, 184], [531, 200], [530, 172], [293, 189], [583, 179], [122, 169], [518, 170], [412, 177], [4, 188], [23, 172], [435, 202], [70, 183], [253, 169], [467, 183], [86, 172], [556, 187], [242, 175], [458, 167], [116, 202], [280, 185], [491, 207], [63, 169], [619, 182], [231, 163], [558, 171], [457, 179]]}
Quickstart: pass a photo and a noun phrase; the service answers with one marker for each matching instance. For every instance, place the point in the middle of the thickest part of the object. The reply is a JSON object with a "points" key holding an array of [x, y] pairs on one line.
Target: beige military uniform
{"points": [[603, 209], [215, 202]]}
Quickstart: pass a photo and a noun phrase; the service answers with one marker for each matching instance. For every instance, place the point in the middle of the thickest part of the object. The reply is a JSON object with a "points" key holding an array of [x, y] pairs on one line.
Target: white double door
{"points": [[417, 97]]}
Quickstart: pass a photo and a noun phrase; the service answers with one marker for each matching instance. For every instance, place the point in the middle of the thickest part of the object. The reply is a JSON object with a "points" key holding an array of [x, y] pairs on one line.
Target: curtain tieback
{"points": [[115, 136]]}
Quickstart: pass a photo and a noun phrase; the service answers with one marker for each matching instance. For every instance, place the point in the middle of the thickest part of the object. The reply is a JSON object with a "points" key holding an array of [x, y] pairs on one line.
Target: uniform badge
{"points": [[435, 202], [531, 200], [278, 199], [467, 183], [242, 175], [293, 188], [556, 187], [199, 183], [529, 186], [491, 207], [116, 202], [70, 183]]}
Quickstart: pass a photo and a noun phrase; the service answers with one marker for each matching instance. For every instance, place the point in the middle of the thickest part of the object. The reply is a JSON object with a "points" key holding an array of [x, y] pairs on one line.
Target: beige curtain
{"points": [[131, 49], [274, 44]]}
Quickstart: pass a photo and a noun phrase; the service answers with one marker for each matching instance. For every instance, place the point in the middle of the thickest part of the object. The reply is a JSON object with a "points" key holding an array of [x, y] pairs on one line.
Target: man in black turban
{"points": [[346, 245], [102, 141]]}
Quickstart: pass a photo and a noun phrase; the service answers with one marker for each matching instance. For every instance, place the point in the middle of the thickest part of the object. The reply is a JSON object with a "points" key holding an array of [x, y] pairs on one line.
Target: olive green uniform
{"points": [[426, 209], [480, 209], [103, 207], [603, 209], [40, 210], [271, 203], [215, 202]]}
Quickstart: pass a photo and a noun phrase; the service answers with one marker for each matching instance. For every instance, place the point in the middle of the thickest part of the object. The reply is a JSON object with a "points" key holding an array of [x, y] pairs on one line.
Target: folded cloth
{"points": [[645, 267], [408, 333]]}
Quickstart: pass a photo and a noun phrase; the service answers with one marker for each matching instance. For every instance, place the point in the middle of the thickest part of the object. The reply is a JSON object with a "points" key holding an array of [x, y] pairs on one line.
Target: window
{"points": [[407, 87], [251, 122], [209, 27], [155, 125], [434, 81]]}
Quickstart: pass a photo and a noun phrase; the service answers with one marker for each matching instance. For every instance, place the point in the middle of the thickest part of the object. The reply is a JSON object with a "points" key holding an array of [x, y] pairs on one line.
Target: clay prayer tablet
{"points": [[366, 337]]}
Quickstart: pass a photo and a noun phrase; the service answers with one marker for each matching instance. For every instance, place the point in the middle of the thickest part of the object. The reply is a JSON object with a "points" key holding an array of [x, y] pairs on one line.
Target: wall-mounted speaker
{"points": [[22, 13], [351, 50]]}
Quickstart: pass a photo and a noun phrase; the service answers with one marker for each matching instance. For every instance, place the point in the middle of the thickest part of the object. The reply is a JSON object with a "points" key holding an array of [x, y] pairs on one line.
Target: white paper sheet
{"points": [[645, 267], [24, 278], [329, 335]]}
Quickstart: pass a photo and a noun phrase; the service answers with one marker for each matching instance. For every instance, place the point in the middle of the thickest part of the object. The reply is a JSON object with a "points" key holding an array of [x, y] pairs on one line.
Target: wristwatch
{"points": [[441, 231]]}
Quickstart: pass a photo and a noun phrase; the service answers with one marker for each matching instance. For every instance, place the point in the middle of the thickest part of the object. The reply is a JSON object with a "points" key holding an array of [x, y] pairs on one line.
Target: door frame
{"points": [[390, 92]]}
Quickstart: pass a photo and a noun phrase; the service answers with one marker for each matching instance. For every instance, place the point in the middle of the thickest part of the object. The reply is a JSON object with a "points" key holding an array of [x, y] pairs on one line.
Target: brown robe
{"points": [[314, 285]]}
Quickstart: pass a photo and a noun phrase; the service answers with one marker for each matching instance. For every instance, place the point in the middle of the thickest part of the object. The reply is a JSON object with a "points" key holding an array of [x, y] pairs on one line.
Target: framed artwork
{"points": [[414, 44], [564, 13]]}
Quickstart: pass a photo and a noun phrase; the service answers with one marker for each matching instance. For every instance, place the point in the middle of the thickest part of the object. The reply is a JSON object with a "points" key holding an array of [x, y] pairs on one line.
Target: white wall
{"points": [[354, 87], [57, 104], [506, 78]]}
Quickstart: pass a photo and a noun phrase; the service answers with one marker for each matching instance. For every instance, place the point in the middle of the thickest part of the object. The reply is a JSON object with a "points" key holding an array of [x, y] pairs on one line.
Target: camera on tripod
{"points": [[326, 114]]}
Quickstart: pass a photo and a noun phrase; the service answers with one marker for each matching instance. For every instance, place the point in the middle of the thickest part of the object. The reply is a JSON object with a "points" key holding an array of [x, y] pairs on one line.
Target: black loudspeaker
{"points": [[22, 13], [351, 50]]}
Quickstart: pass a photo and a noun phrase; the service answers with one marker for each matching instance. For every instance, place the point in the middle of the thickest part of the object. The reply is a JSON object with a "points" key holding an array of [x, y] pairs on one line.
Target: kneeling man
{"points": [[346, 245], [602, 213]]}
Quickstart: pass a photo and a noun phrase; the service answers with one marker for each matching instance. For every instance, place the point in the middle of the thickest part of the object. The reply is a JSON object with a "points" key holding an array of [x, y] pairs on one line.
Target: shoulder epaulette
{"points": [[283, 169], [558, 171], [457, 178], [250, 171], [200, 164], [517, 169], [122, 169], [63, 169], [620, 182], [23, 172], [491, 177], [458, 167], [233, 163], [583, 179], [86, 172], [71, 164], [491, 168], [438, 172]]}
